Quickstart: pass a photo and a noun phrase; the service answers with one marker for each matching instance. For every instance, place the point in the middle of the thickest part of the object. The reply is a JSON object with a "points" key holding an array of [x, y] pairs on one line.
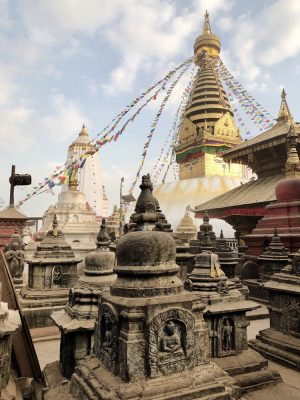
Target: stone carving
{"points": [[296, 264], [171, 342], [14, 256], [228, 335], [108, 343], [291, 316], [56, 275]]}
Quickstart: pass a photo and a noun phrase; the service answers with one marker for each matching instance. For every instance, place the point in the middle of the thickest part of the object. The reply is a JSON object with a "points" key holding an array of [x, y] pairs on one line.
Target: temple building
{"points": [[208, 129], [266, 154], [89, 175], [76, 219]]}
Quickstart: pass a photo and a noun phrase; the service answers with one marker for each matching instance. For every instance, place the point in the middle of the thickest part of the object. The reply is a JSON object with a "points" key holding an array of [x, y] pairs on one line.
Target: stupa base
{"points": [[275, 345], [256, 290], [92, 381], [38, 305], [249, 369]]}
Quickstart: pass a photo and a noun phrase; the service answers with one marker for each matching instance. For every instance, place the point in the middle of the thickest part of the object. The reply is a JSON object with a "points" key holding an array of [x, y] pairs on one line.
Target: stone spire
{"points": [[284, 114], [292, 165], [228, 259], [145, 215], [103, 239], [206, 227]]}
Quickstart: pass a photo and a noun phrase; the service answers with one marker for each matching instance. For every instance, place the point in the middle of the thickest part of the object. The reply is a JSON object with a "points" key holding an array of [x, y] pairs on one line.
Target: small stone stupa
{"points": [[225, 314], [113, 224], [77, 321], [151, 340], [228, 259], [187, 229], [52, 271], [273, 259], [206, 237], [281, 342]]}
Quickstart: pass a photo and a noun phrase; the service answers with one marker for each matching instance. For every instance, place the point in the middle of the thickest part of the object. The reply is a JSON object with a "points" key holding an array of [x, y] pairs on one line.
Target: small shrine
{"points": [[14, 255], [281, 342], [76, 321], [206, 237], [150, 335], [225, 314], [52, 271], [187, 229]]}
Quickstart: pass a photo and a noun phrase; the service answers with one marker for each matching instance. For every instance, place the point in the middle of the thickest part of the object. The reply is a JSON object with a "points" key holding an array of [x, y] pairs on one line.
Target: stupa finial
{"points": [[292, 165], [84, 131], [221, 234], [103, 239], [73, 181], [284, 114], [206, 26]]}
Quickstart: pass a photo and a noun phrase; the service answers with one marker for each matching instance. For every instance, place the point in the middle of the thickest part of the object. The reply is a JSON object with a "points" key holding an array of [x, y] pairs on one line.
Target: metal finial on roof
{"points": [[284, 114], [292, 165]]}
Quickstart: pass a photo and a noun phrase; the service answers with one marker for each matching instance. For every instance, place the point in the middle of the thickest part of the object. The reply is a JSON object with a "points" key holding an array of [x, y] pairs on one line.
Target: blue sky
{"points": [[67, 62]]}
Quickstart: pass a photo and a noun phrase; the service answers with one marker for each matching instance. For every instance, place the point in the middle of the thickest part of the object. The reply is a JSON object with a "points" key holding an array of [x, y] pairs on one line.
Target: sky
{"points": [[65, 63]]}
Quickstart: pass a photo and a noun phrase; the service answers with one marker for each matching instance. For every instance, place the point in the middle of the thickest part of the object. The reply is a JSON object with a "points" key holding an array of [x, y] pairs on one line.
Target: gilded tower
{"points": [[208, 128]]}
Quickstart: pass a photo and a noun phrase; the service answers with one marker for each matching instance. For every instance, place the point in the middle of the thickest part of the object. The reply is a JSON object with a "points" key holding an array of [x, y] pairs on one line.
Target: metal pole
{"points": [[121, 204], [11, 180]]}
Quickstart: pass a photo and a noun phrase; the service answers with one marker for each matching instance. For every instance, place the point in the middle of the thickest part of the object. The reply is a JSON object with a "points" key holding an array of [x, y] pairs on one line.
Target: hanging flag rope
{"points": [[153, 126], [63, 172], [255, 111], [171, 139]]}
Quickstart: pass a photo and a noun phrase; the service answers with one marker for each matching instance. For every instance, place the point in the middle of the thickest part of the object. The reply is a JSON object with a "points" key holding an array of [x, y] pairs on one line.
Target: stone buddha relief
{"points": [[226, 333], [107, 348], [171, 342]]}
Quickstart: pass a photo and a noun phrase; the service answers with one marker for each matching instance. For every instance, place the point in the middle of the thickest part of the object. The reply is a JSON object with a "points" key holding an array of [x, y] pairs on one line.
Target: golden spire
{"points": [[284, 114], [73, 181], [292, 165], [206, 26], [207, 42]]}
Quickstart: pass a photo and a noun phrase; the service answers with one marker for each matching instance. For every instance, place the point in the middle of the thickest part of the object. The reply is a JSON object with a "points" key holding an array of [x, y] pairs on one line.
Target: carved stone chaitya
{"points": [[225, 314], [52, 271], [281, 341], [14, 255], [151, 340], [77, 320], [206, 237]]}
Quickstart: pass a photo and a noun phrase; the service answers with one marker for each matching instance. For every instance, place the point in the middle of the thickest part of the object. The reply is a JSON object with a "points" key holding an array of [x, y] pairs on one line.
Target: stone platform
{"points": [[38, 305], [284, 349], [207, 382], [249, 369]]}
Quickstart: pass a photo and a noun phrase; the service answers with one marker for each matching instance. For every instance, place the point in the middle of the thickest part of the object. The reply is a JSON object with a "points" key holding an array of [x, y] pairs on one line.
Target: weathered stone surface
{"points": [[282, 341], [151, 340], [14, 255], [76, 322], [52, 272]]}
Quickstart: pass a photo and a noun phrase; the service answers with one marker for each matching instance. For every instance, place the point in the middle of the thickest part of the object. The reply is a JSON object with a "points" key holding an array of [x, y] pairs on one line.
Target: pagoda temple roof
{"points": [[270, 138], [248, 198]]}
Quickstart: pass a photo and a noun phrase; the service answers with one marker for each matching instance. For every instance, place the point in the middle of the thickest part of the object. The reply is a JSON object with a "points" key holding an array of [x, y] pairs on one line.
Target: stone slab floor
{"points": [[47, 341]]}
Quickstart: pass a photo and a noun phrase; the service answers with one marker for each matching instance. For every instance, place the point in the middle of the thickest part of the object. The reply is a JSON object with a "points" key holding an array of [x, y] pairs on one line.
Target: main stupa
{"points": [[208, 129]]}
